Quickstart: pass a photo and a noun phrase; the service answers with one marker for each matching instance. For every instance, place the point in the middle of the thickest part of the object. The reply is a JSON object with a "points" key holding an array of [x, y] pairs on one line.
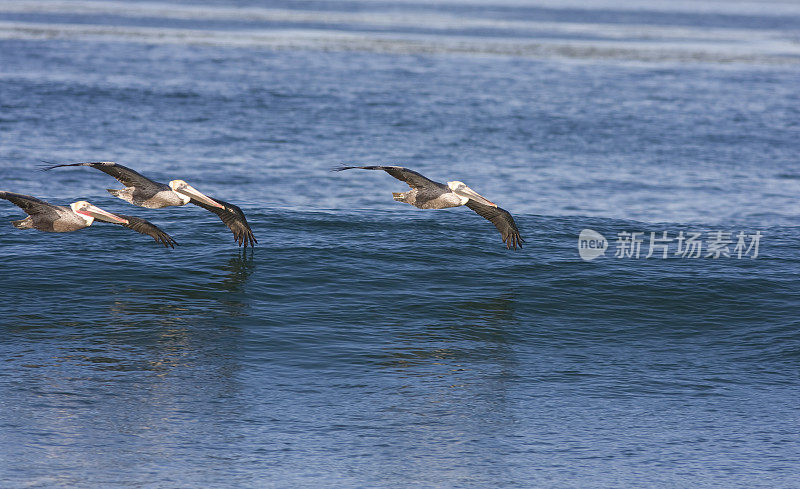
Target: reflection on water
{"points": [[188, 295], [140, 353], [441, 373], [473, 329], [126, 322], [461, 356], [238, 270]]}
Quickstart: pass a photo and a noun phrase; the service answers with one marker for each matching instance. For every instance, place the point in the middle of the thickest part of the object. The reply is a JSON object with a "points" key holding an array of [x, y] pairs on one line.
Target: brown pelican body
{"points": [[151, 198], [143, 192], [62, 219], [427, 194], [426, 199]]}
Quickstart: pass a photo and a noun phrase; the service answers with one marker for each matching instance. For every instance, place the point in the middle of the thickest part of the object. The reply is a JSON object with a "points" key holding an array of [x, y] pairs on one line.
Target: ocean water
{"points": [[366, 343]]}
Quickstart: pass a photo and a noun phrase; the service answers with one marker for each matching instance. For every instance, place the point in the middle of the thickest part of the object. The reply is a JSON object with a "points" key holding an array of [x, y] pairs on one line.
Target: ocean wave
{"points": [[401, 31], [753, 7], [399, 20], [771, 53], [205, 10]]}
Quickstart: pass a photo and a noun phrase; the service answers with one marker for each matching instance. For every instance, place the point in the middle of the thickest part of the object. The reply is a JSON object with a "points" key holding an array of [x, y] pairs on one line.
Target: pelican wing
{"points": [[233, 217], [412, 178], [123, 174], [31, 205], [146, 227], [502, 220]]}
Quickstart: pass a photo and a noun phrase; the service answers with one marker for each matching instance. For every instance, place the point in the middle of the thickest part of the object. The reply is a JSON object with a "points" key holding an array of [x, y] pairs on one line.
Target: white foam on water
{"points": [[769, 8], [399, 20], [765, 52], [342, 30]]}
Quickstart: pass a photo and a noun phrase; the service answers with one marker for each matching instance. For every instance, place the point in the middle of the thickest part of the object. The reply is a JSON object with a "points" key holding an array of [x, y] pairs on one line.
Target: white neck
{"points": [[184, 198]]}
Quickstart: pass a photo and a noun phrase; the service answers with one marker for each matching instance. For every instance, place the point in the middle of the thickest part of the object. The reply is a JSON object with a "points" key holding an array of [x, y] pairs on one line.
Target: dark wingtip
{"points": [[513, 241], [48, 165], [341, 167], [248, 239]]}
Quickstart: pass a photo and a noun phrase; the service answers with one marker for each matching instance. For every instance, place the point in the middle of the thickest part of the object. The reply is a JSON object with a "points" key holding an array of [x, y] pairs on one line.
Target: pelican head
{"points": [[187, 193], [89, 213], [467, 194]]}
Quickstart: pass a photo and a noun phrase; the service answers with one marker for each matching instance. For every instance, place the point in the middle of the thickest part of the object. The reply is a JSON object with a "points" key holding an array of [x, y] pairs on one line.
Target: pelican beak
{"points": [[102, 215], [197, 195], [468, 192]]}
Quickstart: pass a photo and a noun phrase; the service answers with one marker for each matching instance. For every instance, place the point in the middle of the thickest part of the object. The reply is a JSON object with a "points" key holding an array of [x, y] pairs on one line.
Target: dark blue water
{"points": [[366, 343]]}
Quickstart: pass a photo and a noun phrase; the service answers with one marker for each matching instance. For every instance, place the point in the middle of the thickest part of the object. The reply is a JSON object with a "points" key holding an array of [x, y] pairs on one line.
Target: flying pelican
{"points": [[81, 214], [427, 194], [143, 192]]}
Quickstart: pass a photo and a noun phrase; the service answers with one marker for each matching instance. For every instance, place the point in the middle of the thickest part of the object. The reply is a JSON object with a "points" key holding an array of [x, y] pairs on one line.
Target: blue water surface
{"points": [[366, 343]]}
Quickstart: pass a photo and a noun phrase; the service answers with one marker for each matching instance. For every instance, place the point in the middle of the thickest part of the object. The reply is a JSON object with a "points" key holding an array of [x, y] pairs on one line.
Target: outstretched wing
{"points": [[146, 227], [412, 178], [502, 220], [125, 175], [31, 205], [233, 217]]}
